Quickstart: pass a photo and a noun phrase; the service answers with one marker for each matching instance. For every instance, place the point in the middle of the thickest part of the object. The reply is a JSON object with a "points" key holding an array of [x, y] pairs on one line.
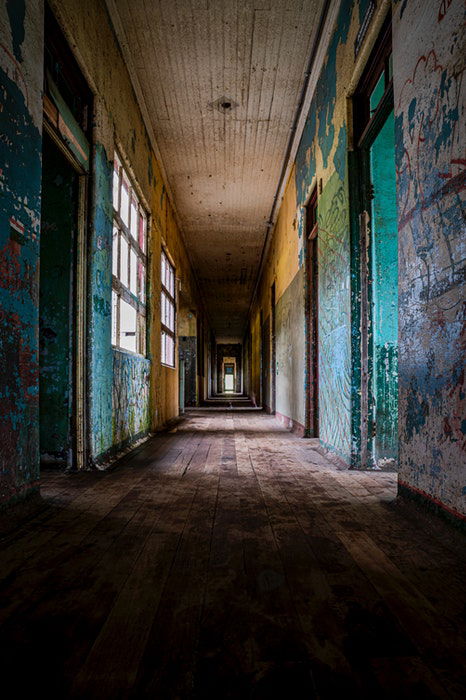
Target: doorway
{"points": [[67, 110], [57, 305], [312, 311], [379, 261], [229, 378], [273, 363]]}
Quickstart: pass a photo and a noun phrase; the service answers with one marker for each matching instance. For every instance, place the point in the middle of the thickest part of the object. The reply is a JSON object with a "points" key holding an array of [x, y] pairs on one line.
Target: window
{"points": [[129, 265], [375, 87], [168, 311]]}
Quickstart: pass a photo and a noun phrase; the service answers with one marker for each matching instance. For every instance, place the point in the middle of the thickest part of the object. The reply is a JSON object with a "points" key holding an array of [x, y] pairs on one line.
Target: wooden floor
{"points": [[229, 559]]}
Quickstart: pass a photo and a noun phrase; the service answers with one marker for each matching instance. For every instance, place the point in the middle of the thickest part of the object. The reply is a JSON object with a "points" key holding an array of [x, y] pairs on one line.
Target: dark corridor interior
{"points": [[57, 305]]}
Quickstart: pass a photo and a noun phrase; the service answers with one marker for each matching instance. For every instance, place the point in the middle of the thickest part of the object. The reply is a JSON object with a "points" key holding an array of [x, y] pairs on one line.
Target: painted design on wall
{"points": [[20, 173], [130, 397], [430, 135], [100, 286], [334, 318], [323, 135]]}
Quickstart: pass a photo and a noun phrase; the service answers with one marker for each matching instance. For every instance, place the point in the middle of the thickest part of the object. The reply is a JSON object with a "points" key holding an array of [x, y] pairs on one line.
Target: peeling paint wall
{"points": [[151, 397], [20, 180], [429, 86]]}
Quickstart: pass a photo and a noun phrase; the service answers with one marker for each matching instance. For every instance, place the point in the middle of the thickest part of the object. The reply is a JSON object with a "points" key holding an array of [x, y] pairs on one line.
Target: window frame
{"points": [[367, 120], [171, 298], [122, 288]]}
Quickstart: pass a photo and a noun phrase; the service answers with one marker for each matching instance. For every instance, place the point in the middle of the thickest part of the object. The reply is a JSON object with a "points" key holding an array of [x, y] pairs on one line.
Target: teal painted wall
{"points": [[384, 254], [99, 307], [323, 148], [20, 178]]}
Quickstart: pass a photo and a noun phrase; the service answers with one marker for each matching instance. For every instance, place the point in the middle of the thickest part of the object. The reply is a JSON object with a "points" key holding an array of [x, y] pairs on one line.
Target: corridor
{"points": [[232, 349], [227, 558]]}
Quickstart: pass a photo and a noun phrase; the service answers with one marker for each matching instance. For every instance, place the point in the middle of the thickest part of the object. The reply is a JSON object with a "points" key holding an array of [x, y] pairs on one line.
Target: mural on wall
{"points": [[430, 112], [130, 397], [20, 175]]}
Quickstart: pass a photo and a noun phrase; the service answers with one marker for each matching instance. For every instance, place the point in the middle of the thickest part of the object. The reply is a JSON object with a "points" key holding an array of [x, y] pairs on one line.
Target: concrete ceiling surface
{"points": [[221, 81]]}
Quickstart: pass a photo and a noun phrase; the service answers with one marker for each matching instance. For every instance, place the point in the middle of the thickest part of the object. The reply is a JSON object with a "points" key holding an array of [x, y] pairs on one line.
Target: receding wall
{"points": [[430, 111], [21, 80], [127, 394]]}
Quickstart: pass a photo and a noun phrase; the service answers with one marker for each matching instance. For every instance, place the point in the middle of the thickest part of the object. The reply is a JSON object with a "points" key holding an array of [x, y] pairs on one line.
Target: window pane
{"points": [[124, 261], [142, 232], [115, 251], [142, 335], [127, 326], [162, 346], [116, 181], [133, 272], [142, 282], [114, 318], [377, 93], [134, 219], [124, 208], [170, 351]]}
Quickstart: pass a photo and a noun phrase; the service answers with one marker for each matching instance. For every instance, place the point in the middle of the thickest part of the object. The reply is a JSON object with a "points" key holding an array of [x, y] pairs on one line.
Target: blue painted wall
{"points": [[20, 176], [430, 114]]}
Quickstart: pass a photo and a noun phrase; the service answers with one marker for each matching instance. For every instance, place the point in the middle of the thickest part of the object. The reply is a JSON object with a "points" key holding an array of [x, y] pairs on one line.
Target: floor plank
{"points": [[230, 559]]}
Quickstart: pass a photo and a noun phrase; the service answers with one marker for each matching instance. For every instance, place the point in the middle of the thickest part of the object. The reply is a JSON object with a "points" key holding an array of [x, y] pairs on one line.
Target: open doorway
{"points": [[312, 311], [62, 284], [228, 378], [57, 305], [374, 126]]}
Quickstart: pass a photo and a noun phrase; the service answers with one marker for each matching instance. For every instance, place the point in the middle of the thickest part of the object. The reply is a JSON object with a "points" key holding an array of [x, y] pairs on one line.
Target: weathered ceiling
{"points": [[221, 82]]}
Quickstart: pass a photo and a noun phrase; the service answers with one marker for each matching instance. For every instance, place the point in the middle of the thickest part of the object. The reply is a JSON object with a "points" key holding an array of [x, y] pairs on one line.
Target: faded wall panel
{"points": [[130, 397], [289, 324], [21, 51], [429, 61]]}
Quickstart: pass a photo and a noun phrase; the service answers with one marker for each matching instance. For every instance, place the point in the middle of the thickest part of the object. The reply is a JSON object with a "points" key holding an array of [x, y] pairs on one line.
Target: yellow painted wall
{"points": [[281, 267]]}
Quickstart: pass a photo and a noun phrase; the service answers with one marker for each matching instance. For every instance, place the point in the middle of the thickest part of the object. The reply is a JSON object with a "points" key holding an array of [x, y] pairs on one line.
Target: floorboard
{"points": [[230, 559]]}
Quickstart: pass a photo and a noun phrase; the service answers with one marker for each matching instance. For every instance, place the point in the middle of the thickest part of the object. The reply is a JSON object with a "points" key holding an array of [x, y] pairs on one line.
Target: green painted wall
{"points": [[384, 271]]}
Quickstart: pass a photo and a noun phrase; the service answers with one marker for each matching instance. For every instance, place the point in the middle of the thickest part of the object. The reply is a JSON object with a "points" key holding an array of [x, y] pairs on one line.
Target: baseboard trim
{"points": [[412, 493]]}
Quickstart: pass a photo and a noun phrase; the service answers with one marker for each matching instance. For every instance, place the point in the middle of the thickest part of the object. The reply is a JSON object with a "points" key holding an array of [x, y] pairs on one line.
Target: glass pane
{"points": [[142, 335], [116, 182], [124, 208], [127, 326], [115, 251], [142, 232], [133, 272], [142, 282], [162, 347], [124, 261], [170, 351], [171, 323], [163, 267], [377, 93], [114, 318], [134, 219]]}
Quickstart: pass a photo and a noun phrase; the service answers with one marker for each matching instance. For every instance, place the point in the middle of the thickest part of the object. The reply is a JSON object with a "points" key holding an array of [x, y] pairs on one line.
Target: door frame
{"points": [[362, 395], [79, 398]]}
